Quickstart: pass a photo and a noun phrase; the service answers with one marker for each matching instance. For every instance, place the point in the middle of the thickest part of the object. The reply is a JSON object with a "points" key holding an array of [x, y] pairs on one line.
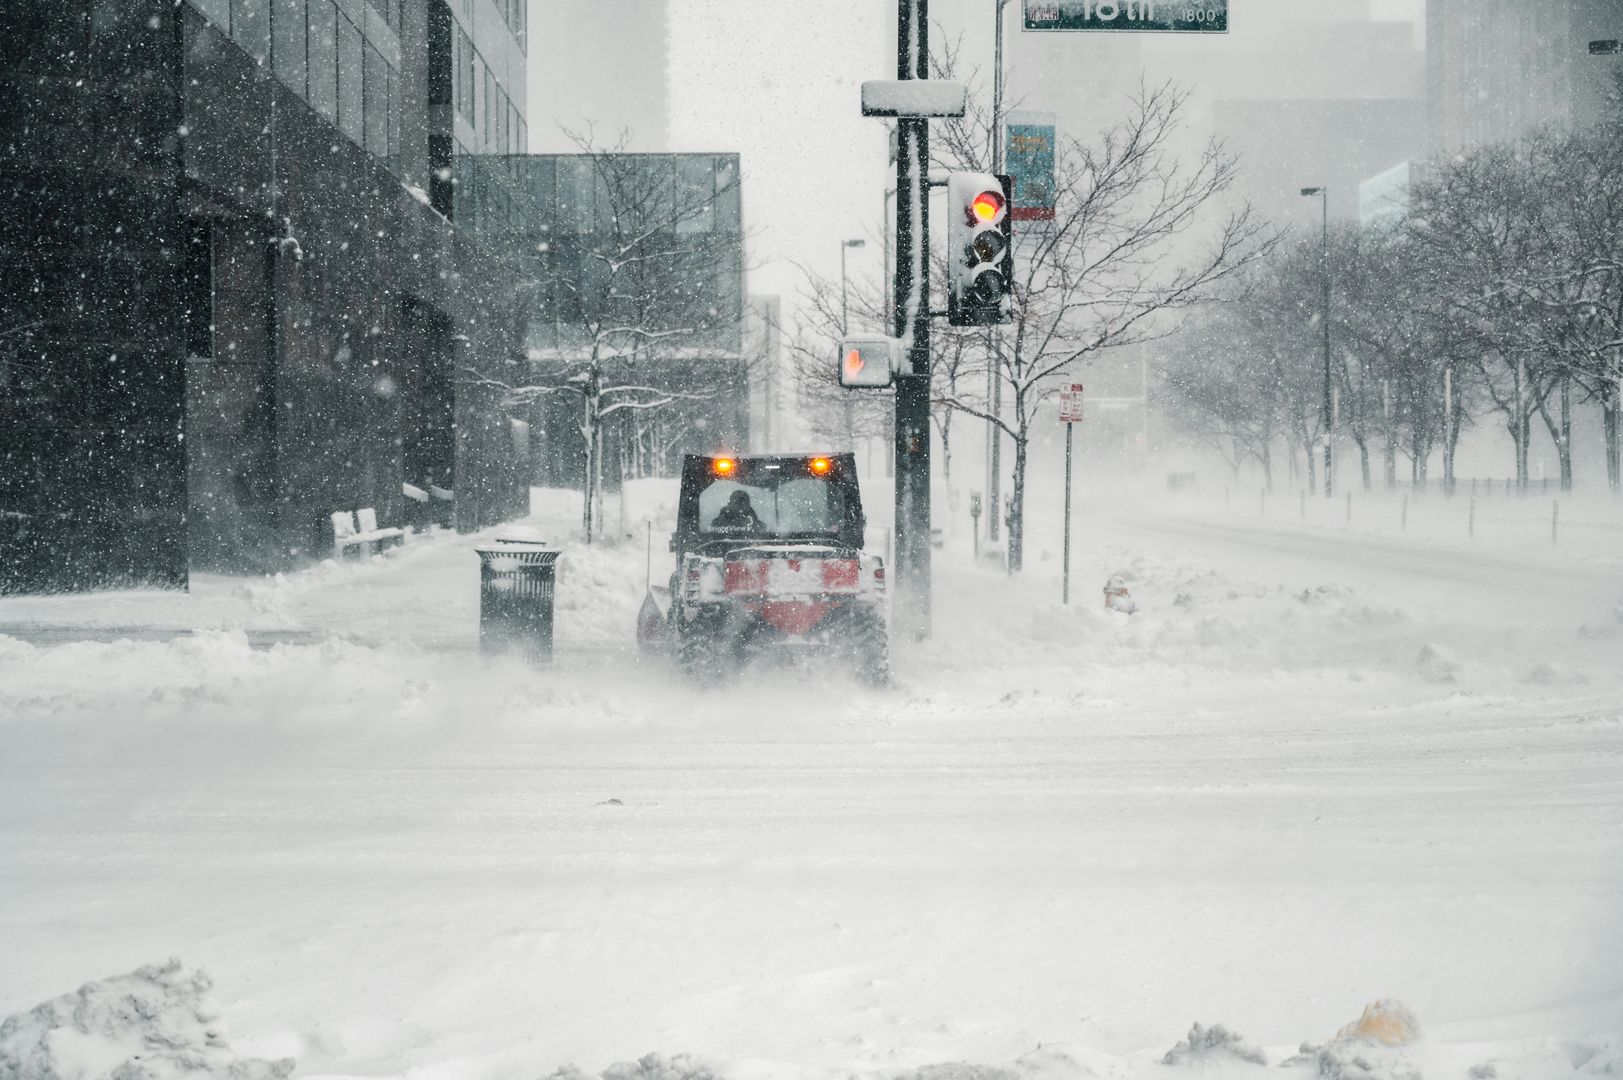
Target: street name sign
{"points": [[1145, 16], [1070, 403]]}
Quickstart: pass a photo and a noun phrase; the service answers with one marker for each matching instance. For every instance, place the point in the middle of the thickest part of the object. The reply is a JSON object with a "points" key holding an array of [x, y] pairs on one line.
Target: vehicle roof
{"points": [[801, 456]]}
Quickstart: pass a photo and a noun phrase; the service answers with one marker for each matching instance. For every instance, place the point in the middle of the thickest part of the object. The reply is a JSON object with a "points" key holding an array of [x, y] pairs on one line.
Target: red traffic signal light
{"points": [[980, 272], [985, 207]]}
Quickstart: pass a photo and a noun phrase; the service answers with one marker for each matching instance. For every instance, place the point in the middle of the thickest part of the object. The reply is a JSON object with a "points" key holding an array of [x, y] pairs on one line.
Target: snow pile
{"points": [[1386, 1021], [1215, 1043], [156, 1023], [1437, 665], [1596, 1057], [1372, 1047], [958, 1070], [647, 1067]]}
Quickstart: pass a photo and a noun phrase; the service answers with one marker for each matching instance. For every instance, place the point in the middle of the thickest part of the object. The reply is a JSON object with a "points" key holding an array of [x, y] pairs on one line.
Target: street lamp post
{"points": [[845, 325], [1324, 315], [1612, 48]]}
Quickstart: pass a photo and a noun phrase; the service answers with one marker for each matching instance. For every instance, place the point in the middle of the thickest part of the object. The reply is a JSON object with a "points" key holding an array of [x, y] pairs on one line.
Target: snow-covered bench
{"points": [[359, 532]]}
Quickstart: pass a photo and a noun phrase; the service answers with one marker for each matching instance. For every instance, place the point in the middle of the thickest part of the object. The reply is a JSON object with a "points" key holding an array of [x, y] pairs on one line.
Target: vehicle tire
{"points": [[870, 642], [701, 649]]}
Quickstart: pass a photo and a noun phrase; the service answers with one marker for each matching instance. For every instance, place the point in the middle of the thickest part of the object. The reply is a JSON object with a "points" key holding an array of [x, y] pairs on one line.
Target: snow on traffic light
{"points": [[980, 250]]}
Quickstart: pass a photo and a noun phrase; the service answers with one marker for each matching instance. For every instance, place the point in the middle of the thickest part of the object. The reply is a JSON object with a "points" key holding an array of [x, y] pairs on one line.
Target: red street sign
{"points": [[1070, 403]]}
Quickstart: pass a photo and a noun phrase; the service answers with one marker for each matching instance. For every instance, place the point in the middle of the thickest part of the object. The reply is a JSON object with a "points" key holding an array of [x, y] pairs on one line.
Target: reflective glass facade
{"points": [[343, 57]]}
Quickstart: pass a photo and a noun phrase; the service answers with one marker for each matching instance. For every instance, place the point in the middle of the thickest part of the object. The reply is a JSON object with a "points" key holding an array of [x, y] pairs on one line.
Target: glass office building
{"points": [[681, 286], [239, 282]]}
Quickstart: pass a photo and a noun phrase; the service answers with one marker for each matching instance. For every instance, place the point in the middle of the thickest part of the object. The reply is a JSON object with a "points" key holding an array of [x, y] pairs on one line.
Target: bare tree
{"points": [[824, 314], [1500, 292], [1480, 223], [1222, 390], [1106, 271], [1584, 289], [958, 360]]}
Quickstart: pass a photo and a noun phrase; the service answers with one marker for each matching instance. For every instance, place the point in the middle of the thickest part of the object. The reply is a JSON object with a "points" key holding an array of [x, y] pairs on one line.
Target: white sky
{"points": [[783, 88], [778, 81]]}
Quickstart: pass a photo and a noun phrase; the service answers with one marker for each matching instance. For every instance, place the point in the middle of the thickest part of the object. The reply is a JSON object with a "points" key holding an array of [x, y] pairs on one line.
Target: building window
{"points": [[391, 10], [197, 289], [323, 43], [492, 107], [467, 85], [350, 61], [394, 120], [376, 104], [287, 43], [250, 27], [442, 93], [695, 198]]}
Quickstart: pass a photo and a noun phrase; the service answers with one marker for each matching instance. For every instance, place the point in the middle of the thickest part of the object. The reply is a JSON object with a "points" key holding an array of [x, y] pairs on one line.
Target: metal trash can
{"points": [[516, 584]]}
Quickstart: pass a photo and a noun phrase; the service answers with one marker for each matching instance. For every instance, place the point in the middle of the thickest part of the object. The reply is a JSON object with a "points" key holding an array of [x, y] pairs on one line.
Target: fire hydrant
{"points": [[1117, 598]]}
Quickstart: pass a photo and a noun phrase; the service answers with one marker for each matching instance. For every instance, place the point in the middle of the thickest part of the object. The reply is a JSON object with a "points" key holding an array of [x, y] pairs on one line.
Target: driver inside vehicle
{"points": [[737, 514]]}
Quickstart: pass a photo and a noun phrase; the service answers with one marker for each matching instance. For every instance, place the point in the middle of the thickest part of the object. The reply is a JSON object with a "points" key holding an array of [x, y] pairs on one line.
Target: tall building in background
{"points": [[763, 349], [1499, 69], [238, 290], [1320, 94], [602, 66], [1307, 93]]}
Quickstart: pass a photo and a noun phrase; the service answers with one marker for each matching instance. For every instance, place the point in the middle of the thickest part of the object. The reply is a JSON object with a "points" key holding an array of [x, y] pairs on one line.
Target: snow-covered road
{"points": [[1313, 771]]}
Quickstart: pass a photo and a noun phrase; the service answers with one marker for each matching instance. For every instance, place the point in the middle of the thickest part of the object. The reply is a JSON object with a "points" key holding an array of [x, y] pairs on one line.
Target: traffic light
{"points": [[867, 362], [980, 250]]}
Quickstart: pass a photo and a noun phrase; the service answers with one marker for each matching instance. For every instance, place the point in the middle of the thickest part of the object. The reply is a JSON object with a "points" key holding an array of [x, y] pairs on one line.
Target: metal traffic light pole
{"points": [[994, 358], [911, 317]]}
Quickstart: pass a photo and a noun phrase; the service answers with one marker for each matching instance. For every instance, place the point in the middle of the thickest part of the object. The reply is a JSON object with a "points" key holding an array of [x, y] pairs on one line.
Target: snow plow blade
{"points": [[651, 620]]}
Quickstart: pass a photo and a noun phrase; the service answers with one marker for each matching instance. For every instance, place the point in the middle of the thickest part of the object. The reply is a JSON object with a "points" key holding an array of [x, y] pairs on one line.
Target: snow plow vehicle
{"points": [[769, 560]]}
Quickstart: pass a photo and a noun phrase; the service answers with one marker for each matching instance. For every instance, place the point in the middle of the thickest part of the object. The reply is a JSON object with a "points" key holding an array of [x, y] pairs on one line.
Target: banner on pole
{"points": [[1030, 162], [1070, 403]]}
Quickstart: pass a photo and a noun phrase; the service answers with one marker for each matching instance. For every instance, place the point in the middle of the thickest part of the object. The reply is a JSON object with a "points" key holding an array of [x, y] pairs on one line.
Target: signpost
{"points": [[975, 519], [1155, 16], [1070, 412]]}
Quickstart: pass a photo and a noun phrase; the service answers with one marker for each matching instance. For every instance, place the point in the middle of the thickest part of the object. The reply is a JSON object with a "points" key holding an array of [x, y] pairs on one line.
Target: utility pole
{"points": [[911, 315]]}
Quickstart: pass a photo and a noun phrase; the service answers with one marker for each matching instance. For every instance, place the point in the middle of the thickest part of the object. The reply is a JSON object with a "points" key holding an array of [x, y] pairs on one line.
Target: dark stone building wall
{"points": [[92, 458], [381, 311]]}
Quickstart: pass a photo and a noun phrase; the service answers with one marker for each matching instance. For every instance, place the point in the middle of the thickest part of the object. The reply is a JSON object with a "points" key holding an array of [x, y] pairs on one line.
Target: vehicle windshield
{"points": [[763, 504]]}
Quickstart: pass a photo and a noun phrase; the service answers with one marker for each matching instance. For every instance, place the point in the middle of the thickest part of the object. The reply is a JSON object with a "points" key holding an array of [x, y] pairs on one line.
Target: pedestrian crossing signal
{"points": [[867, 362]]}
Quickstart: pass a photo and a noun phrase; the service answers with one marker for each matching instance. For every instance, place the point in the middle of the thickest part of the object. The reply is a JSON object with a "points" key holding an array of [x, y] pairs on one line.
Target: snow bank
{"points": [[1388, 1022], [156, 1023], [1217, 1042], [647, 1067]]}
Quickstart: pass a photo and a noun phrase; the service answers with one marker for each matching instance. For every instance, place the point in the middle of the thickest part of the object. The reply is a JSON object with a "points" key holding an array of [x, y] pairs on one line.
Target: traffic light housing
{"points": [[980, 249], [867, 362]]}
